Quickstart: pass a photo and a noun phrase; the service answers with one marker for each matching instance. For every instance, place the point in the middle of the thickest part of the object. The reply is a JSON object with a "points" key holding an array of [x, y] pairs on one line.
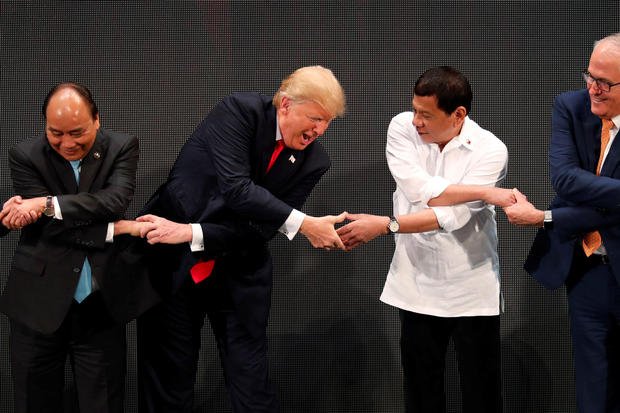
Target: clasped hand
{"points": [[17, 212]]}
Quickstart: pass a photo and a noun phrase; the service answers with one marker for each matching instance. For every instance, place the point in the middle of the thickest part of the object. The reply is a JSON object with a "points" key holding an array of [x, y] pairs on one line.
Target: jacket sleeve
{"points": [[85, 215], [228, 132], [569, 178]]}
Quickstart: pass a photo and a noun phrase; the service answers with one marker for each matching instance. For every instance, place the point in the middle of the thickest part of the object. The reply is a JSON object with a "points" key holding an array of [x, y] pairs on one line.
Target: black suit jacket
{"points": [[220, 181], [50, 253]]}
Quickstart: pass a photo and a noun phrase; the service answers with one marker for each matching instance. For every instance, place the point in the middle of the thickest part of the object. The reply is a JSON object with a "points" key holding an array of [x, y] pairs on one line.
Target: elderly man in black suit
{"points": [[66, 295], [241, 177]]}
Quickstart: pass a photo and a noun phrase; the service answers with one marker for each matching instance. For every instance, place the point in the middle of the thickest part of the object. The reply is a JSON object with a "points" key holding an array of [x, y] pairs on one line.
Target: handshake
{"points": [[320, 231], [363, 228], [18, 212]]}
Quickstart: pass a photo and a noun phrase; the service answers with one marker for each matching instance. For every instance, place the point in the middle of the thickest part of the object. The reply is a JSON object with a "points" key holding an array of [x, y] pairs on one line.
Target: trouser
{"points": [[96, 346], [424, 342], [594, 311], [168, 350]]}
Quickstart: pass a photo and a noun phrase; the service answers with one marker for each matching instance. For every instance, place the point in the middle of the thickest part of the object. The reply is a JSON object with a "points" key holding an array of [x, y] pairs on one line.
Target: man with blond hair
{"points": [[241, 177]]}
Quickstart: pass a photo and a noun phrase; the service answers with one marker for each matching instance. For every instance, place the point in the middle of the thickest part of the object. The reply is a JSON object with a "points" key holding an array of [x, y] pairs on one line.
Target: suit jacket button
{"points": [[76, 269]]}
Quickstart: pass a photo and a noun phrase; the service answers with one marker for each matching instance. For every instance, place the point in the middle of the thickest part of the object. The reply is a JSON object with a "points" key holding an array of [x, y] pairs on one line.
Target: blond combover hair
{"points": [[316, 84]]}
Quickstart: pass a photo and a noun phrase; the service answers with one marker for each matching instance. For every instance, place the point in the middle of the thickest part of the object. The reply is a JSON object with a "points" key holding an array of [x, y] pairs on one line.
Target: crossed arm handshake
{"points": [[321, 232], [362, 228]]}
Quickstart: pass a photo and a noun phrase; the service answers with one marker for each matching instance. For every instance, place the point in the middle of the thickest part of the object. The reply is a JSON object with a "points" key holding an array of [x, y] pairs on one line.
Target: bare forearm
{"points": [[421, 221], [460, 194]]}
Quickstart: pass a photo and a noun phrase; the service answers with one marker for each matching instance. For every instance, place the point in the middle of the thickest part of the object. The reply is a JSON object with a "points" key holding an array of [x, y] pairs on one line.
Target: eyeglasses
{"points": [[602, 85]]}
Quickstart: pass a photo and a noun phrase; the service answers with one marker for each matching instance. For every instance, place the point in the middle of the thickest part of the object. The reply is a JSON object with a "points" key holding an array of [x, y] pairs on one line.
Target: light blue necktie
{"points": [[84, 286]]}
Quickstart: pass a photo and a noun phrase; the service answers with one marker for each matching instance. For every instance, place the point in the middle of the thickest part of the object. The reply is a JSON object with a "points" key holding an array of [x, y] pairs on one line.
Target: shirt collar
{"points": [[616, 121], [466, 138], [278, 133]]}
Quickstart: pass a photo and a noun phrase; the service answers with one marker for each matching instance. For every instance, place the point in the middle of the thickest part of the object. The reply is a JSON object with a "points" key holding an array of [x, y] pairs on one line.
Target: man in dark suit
{"points": [[579, 242], [227, 194], [65, 296]]}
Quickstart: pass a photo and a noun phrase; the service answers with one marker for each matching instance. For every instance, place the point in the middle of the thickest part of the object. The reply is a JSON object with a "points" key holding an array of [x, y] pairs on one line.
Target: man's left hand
{"points": [[164, 231], [523, 213], [362, 229]]}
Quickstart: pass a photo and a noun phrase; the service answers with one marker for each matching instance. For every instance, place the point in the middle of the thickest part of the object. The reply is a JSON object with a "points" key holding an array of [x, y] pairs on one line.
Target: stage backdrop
{"points": [[156, 69]]}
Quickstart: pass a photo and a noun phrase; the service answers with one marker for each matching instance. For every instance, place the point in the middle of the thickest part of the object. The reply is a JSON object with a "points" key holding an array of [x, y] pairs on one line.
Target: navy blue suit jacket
{"points": [[219, 180], [584, 201]]}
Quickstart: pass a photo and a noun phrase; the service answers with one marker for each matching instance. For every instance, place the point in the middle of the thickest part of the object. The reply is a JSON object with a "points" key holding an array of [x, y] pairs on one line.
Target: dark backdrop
{"points": [[156, 68]]}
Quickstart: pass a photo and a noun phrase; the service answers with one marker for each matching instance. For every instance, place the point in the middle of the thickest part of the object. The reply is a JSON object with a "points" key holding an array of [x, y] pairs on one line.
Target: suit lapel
{"points": [[287, 164], [592, 133], [92, 163], [62, 169]]}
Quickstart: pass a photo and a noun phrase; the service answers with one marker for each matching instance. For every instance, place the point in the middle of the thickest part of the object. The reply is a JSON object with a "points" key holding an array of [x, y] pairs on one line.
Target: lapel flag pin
{"points": [[292, 159], [96, 155]]}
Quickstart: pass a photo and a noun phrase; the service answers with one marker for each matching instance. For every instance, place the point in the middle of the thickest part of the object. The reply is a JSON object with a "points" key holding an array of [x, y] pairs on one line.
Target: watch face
{"points": [[393, 226]]}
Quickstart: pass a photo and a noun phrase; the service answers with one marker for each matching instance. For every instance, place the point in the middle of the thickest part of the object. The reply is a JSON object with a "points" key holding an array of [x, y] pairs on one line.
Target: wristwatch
{"points": [[393, 226], [548, 220], [49, 206]]}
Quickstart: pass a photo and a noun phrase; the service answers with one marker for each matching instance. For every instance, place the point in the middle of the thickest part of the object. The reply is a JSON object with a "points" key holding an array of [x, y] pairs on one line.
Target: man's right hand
{"points": [[500, 197], [17, 213], [321, 233]]}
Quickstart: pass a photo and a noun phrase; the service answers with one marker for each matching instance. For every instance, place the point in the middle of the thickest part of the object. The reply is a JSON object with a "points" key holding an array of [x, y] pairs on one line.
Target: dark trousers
{"points": [[594, 310], [424, 342], [96, 347], [168, 348]]}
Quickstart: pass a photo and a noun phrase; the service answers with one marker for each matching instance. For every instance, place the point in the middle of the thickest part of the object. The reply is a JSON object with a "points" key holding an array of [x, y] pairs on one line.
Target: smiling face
{"points": [[70, 127], [301, 123], [433, 124], [605, 65]]}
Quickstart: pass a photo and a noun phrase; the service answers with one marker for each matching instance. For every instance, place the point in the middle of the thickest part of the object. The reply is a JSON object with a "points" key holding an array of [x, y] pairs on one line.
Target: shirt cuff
{"points": [[433, 188], [57, 213], [198, 242], [109, 236], [444, 218], [292, 224]]}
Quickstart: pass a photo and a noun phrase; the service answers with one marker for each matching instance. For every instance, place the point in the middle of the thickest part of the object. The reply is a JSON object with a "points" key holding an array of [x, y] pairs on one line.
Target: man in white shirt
{"points": [[444, 275]]}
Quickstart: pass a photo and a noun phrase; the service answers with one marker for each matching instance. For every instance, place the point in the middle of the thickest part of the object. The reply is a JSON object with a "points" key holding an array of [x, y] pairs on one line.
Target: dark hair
{"points": [[79, 89], [450, 86]]}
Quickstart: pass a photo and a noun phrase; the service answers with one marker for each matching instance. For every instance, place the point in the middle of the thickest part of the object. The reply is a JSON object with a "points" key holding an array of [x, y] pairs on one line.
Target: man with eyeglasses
{"points": [[579, 242]]}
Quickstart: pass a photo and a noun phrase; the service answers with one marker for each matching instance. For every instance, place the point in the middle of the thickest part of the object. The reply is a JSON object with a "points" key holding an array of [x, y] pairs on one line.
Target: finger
{"points": [[518, 194], [341, 217], [353, 217], [338, 244], [345, 229], [147, 218]]}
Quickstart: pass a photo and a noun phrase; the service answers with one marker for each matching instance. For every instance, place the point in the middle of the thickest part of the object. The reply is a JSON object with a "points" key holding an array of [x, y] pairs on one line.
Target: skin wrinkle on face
{"points": [[433, 124], [301, 123], [605, 65], [70, 128]]}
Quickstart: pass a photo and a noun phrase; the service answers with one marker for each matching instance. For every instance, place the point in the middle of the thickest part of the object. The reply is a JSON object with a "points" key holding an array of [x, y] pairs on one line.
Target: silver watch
{"points": [[393, 225]]}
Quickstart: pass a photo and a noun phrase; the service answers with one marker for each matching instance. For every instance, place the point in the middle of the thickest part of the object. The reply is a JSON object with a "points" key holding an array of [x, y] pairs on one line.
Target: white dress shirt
{"points": [[453, 271]]}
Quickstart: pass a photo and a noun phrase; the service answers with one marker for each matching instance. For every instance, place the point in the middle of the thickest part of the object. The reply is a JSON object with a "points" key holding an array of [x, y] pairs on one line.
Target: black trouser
{"points": [[424, 342], [96, 347], [168, 350]]}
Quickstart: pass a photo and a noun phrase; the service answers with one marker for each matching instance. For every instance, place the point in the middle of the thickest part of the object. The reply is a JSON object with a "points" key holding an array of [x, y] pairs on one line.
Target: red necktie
{"points": [[592, 240], [276, 152], [201, 270]]}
